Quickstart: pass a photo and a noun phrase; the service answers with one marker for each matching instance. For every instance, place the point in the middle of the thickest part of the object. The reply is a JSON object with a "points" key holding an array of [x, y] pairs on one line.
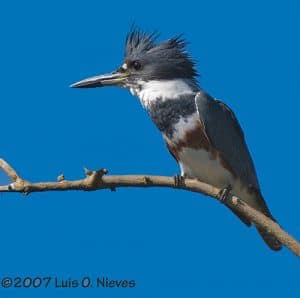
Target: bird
{"points": [[201, 132]]}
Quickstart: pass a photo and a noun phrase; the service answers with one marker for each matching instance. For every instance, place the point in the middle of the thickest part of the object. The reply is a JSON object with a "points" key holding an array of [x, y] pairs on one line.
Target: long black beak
{"points": [[112, 79]]}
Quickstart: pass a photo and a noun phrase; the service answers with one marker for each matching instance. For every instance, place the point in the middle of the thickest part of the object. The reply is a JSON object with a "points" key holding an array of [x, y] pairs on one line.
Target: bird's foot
{"points": [[179, 181], [224, 193]]}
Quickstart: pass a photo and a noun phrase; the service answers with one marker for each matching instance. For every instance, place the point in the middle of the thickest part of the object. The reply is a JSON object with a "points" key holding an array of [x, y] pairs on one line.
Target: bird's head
{"points": [[145, 60]]}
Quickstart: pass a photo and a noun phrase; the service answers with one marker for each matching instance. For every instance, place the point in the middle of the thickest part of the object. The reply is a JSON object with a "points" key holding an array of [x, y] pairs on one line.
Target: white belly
{"points": [[197, 163]]}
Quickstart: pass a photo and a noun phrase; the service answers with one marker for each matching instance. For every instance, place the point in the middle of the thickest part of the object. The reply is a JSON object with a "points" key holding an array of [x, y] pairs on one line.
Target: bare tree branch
{"points": [[96, 180], [8, 170]]}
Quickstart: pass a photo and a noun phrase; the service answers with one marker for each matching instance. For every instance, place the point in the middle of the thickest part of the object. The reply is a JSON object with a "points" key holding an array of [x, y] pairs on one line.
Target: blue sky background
{"points": [[172, 243]]}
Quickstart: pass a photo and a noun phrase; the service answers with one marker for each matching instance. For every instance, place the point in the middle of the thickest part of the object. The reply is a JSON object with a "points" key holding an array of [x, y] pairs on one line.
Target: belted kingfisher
{"points": [[201, 133]]}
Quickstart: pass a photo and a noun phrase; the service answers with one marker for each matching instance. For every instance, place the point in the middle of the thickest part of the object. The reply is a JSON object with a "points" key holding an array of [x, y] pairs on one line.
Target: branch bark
{"points": [[97, 180]]}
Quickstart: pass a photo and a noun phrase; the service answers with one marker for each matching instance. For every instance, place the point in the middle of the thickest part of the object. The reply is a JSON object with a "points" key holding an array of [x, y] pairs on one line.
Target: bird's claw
{"points": [[224, 193], [179, 181]]}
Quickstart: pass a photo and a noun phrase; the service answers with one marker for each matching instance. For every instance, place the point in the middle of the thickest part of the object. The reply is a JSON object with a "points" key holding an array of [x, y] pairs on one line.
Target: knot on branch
{"points": [[147, 180], [21, 185], [94, 178]]}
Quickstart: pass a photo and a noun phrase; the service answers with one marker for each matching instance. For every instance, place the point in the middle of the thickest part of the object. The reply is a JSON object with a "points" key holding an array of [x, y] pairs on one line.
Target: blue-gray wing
{"points": [[226, 136]]}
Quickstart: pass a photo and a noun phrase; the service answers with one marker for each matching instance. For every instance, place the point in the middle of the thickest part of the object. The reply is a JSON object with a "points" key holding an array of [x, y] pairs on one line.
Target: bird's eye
{"points": [[136, 65]]}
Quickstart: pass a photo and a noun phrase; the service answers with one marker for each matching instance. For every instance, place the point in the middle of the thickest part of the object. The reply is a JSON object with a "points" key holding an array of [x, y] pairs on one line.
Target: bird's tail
{"points": [[269, 239], [260, 205]]}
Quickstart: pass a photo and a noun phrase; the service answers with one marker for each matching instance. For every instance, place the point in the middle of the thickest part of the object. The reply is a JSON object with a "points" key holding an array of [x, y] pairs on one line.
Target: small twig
{"points": [[60, 178], [96, 180]]}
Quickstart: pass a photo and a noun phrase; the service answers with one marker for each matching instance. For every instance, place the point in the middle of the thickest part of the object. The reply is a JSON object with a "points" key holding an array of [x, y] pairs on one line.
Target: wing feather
{"points": [[226, 136]]}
